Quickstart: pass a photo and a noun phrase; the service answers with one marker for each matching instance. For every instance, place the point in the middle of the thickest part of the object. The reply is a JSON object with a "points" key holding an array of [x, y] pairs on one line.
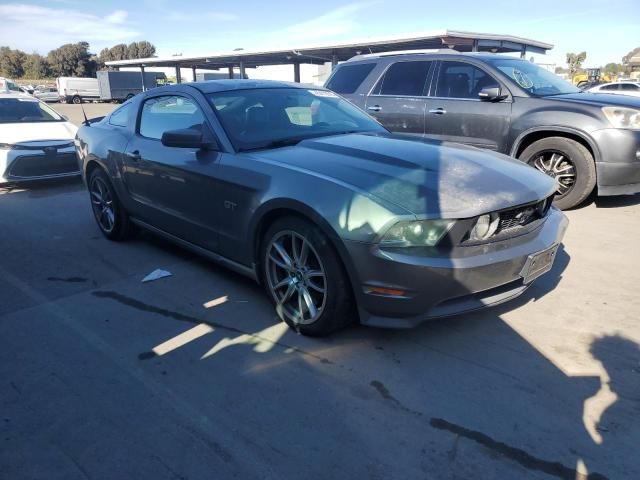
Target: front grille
{"points": [[522, 216], [28, 166]]}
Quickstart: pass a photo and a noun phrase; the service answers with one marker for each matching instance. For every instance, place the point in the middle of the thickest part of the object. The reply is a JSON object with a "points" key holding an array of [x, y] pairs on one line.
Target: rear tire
{"points": [[76, 100], [559, 157], [111, 217], [307, 281]]}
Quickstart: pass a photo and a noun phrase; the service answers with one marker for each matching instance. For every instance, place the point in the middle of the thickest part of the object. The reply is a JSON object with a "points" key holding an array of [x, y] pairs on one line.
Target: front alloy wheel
{"points": [[296, 278], [558, 166], [305, 277], [569, 162]]}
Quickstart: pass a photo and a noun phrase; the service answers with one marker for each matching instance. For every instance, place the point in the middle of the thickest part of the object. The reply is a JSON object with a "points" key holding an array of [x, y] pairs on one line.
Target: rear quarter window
{"points": [[121, 116], [349, 77]]}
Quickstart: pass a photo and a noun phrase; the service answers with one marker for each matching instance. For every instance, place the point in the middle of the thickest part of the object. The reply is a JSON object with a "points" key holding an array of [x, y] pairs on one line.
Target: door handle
{"points": [[374, 108], [438, 111], [135, 155]]}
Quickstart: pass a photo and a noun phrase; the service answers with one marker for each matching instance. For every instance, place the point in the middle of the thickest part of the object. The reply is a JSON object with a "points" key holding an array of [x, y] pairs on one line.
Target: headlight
{"points": [[486, 225], [421, 233], [622, 117]]}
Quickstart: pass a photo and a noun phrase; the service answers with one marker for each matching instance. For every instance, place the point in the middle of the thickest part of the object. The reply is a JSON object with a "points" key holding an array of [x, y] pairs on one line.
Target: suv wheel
{"points": [[305, 278], [569, 163], [110, 215]]}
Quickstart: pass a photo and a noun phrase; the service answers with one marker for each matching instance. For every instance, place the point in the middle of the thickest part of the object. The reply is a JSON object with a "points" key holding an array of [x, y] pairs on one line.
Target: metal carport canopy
{"points": [[457, 40]]}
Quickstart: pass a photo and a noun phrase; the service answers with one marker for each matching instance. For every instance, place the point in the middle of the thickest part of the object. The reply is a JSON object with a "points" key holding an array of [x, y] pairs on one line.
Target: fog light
{"points": [[486, 225], [637, 154]]}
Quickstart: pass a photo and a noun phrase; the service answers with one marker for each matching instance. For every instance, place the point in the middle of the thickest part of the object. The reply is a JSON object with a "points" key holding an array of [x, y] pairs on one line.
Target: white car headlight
{"points": [[623, 117], [420, 233]]}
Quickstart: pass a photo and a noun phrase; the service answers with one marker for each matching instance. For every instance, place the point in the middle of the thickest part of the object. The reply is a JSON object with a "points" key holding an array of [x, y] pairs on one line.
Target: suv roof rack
{"points": [[404, 52]]}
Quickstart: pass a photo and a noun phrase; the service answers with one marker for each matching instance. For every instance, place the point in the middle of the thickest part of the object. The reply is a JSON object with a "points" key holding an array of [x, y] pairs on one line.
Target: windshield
{"points": [[270, 117], [26, 110], [532, 78]]}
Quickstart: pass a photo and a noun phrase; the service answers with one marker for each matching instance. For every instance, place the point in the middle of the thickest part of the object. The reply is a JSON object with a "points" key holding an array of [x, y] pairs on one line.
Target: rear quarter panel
{"points": [[103, 144]]}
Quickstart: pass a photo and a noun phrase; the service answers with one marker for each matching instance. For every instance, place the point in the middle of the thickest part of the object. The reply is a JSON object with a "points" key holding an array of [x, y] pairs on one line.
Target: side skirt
{"points": [[232, 265]]}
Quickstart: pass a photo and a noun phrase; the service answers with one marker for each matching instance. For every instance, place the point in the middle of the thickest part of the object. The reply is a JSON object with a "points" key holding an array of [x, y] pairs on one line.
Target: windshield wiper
{"points": [[283, 142]]}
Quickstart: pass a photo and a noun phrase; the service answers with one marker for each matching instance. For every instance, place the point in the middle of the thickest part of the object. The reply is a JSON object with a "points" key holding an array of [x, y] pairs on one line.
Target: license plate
{"points": [[539, 264]]}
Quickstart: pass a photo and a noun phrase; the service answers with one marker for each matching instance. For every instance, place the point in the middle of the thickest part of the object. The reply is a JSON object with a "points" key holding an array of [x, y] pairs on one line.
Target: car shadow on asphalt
{"points": [[44, 188], [470, 378], [617, 201]]}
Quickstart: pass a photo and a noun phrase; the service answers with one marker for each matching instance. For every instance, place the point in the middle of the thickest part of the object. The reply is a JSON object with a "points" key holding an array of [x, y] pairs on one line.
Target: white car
{"points": [[36, 142], [618, 88], [7, 86]]}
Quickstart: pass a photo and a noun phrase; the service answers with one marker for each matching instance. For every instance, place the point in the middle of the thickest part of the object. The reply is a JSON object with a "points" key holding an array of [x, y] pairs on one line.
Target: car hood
{"points": [[429, 179], [13, 133], [599, 99]]}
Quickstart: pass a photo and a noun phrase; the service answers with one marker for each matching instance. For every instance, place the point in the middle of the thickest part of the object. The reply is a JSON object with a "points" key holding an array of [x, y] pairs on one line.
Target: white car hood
{"points": [[13, 133]]}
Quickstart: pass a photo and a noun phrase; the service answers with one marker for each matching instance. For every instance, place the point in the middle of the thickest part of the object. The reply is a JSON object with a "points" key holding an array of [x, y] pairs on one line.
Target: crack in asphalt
{"points": [[145, 307], [518, 455], [68, 279]]}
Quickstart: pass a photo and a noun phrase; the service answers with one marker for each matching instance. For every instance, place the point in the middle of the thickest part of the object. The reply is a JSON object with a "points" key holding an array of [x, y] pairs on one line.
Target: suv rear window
{"points": [[349, 77], [404, 78]]}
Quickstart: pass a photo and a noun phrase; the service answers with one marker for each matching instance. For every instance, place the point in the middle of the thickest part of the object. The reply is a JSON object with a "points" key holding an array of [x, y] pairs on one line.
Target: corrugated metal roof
{"points": [[457, 40]]}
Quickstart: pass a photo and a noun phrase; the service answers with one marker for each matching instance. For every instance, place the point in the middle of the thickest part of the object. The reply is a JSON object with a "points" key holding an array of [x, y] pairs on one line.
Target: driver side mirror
{"points": [[186, 138], [490, 94]]}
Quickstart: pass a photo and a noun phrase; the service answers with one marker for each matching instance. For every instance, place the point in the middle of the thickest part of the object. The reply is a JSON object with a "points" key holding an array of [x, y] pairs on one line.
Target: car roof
{"points": [[16, 95], [432, 53], [622, 82], [211, 86]]}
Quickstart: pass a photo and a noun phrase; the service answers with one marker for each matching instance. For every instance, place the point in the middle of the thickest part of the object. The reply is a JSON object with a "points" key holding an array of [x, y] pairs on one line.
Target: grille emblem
{"points": [[524, 216], [50, 150]]}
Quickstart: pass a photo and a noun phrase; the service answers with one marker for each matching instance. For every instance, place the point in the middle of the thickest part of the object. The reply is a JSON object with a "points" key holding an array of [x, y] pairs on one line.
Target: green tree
{"points": [[143, 49], [11, 62], [72, 59], [35, 66], [119, 52], [132, 50], [575, 61], [633, 53]]}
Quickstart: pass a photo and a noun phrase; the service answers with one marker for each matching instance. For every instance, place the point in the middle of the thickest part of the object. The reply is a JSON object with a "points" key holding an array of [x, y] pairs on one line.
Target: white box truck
{"points": [[78, 89]]}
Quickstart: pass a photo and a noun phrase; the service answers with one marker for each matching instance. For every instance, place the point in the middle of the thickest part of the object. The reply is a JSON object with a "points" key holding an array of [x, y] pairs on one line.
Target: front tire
{"points": [[76, 100], [305, 278], [569, 162], [110, 215]]}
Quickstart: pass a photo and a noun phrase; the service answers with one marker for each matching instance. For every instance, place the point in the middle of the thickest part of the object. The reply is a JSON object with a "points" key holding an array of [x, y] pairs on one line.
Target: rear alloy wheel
{"points": [[77, 100], [305, 278], [111, 217], [569, 163]]}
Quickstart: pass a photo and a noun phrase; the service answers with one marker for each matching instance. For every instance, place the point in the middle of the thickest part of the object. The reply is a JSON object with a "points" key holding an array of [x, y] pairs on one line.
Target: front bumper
{"points": [[31, 164], [469, 279], [618, 171]]}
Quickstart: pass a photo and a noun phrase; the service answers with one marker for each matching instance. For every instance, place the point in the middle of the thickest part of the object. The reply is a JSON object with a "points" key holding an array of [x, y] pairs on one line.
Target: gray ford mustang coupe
{"points": [[337, 218]]}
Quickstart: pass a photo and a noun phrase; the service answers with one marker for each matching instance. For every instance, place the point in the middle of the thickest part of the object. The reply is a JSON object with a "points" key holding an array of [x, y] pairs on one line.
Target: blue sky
{"points": [[606, 30]]}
